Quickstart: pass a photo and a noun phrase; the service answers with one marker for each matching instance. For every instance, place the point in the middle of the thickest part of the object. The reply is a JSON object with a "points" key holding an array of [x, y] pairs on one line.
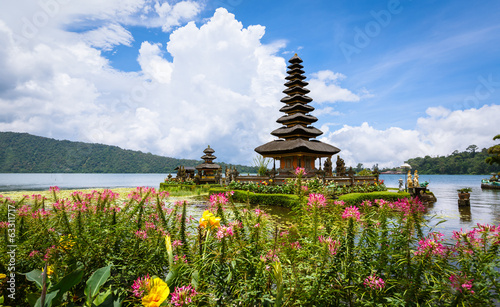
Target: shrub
{"points": [[357, 198], [283, 200]]}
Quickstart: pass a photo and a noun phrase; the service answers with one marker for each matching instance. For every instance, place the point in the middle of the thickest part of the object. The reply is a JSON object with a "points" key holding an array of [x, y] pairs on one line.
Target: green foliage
{"points": [[326, 253], [357, 198], [365, 172], [261, 164], [469, 162], [25, 153], [494, 152], [283, 200]]}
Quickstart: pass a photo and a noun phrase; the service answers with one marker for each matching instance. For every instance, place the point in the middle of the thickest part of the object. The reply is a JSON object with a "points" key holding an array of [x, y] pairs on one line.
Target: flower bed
{"points": [[95, 249]]}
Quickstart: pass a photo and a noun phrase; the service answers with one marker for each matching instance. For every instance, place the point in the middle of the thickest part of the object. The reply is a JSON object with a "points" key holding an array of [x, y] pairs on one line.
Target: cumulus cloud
{"points": [[222, 88], [325, 87], [439, 133], [173, 15]]}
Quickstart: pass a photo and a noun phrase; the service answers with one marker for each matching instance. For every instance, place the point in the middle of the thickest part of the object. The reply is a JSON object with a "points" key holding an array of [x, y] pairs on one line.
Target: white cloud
{"points": [[440, 133], [324, 86], [222, 88], [173, 15], [108, 36]]}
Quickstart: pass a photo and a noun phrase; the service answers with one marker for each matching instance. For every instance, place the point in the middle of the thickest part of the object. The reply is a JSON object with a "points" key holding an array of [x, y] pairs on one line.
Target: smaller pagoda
{"points": [[208, 172]]}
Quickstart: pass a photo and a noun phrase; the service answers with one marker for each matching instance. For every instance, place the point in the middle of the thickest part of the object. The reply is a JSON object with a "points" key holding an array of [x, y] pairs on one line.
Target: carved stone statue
{"points": [[181, 173], [328, 167], [401, 188], [409, 181], [415, 179], [340, 169]]}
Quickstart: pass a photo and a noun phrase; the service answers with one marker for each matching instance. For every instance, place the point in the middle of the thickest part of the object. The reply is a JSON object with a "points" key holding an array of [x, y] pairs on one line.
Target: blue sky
{"points": [[391, 80]]}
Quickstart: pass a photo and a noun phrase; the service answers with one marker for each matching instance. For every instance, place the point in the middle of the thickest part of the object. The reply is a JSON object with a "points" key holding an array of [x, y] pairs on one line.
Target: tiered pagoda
{"points": [[296, 146], [208, 171]]}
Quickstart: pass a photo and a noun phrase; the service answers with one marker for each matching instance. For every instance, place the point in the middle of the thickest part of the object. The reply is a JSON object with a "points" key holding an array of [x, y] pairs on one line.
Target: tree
{"points": [[472, 149], [261, 163], [359, 167], [494, 151]]}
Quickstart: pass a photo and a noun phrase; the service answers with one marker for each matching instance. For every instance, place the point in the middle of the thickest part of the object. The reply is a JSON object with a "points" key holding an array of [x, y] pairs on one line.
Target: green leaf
{"points": [[36, 276], [195, 277], [48, 299], [104, 299], [68, 282], [95, 282]]}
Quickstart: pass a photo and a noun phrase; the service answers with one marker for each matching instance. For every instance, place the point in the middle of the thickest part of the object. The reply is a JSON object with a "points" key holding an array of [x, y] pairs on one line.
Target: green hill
{"points": [[26, 153], [468, 162]]}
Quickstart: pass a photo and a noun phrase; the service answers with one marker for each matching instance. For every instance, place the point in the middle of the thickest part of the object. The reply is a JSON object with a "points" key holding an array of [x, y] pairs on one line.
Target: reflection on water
{"points": [[484, 204], [465, 213]]}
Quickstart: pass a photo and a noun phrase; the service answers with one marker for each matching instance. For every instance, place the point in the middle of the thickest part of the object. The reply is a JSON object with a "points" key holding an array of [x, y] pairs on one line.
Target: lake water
{"points": [[484, 208], [484, 204]]}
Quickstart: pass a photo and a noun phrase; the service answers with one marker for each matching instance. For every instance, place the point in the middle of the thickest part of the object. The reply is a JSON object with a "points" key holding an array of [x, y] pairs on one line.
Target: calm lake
{"points": [[484, 209]]}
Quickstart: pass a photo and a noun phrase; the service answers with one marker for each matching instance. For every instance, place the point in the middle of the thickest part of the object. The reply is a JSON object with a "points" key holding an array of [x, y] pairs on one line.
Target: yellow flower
{"points": [[66, 242], [50, 271], [158, 292], [209, 219], [3, 276], [168, 243]]}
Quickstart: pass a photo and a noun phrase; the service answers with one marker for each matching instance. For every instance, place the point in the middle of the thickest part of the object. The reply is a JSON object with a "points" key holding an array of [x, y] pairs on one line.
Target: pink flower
{"points": [[366, 203], [218, 199], [299, 171], [461, 283], [316, 200], [332, 244], [432, 245], [140, 285], [351, 211], [49, 252], [178, 259], [304, 188], [224, 232], [182, 296], [339, 202], [141, 234], [4, 225], [54, 189], [295, 245], [176, 244], [374, 282], [34, 253]]}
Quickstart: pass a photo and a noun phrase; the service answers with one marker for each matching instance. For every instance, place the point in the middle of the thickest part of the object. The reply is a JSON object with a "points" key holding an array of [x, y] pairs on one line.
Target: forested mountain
{"points": [[471, 161], [26, 153]]}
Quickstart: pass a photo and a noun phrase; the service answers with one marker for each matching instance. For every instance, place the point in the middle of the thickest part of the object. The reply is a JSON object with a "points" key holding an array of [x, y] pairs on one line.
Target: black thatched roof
{"points": [[295, 71], [208, 166], [296, 82], [279, 147], [291, 77], [295, 59], [297, 107], [297, 130], [296, 98], [296, 90], [209, 157], [208, 150], [297, 117]]}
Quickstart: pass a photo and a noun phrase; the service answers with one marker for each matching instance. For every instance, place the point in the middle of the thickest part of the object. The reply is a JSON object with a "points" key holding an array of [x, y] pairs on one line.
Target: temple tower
{"points": [[208, 171], [296, 146]]}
